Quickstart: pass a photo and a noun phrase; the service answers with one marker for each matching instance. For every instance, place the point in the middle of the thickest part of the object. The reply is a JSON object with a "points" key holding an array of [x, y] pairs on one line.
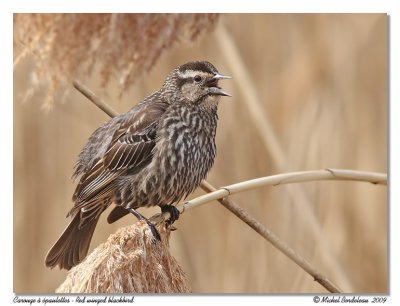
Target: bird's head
{"points": [[196, 82]]}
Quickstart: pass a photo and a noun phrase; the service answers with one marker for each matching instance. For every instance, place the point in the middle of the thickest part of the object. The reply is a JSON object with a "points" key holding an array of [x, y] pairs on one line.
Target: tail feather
{"points": [[117, 213], [72, 246]]}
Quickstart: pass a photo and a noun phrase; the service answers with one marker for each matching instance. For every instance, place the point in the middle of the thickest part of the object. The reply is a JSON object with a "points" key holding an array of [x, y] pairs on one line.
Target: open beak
{"points": [[214, 89]]}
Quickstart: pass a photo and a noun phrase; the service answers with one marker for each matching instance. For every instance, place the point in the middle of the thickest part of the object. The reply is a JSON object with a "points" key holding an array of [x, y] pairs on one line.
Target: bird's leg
{"points": [[173, 211], [153, 229]]}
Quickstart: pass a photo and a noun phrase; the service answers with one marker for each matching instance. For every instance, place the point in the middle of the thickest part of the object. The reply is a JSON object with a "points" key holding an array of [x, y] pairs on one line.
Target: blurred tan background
{"points": [[321, 81]]}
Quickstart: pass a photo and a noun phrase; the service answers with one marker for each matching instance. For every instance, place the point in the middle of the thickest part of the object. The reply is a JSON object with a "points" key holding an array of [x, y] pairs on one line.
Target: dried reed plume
{"points": [[74, 45], [131, 260]]}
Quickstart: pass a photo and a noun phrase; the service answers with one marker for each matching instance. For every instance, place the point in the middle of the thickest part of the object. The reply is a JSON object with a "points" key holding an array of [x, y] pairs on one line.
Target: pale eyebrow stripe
{"points": [[192, 73]]}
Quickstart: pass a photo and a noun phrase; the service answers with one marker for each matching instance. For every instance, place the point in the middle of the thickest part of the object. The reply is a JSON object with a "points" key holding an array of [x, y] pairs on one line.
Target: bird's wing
{"points": [[129, 151]]}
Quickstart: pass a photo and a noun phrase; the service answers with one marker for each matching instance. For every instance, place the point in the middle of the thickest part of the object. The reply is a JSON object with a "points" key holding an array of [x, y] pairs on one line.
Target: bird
{"points": [[155, 154]]}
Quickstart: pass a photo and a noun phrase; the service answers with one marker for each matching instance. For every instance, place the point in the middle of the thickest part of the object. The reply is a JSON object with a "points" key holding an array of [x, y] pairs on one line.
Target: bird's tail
{"points": [[72, 246]]}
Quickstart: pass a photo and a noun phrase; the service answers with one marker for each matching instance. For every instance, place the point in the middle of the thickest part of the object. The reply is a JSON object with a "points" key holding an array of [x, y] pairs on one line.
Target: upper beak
{"points": [[220, 77], [213, 85]]}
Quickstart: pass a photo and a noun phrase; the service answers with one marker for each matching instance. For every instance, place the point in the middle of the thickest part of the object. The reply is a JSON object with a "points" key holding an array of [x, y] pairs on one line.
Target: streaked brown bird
{"points": [[155, 154]]}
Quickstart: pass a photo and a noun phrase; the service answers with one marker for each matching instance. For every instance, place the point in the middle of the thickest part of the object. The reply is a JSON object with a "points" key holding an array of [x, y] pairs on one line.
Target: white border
{"points": [[249, 6]]}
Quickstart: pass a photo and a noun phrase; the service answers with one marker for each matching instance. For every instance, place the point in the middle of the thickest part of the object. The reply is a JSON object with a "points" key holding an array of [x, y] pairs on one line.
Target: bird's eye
{"points": [[197, 78]]}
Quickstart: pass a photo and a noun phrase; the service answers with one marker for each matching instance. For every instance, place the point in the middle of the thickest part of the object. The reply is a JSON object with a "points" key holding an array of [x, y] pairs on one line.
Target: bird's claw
{"points": [[173, 211], [154, 231]]}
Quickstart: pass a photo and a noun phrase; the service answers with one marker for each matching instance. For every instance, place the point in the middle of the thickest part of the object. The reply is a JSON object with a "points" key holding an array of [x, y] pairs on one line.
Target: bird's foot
{"points": [[154, 231], [173, 211], [152, 227]]}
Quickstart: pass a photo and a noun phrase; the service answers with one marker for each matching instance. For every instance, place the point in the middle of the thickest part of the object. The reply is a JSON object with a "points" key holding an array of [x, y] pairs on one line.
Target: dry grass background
{"points": [[322, 81]]}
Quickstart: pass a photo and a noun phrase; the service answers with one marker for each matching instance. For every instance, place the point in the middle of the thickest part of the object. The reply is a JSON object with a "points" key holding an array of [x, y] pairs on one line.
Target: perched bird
{"points": [[155, 154]]}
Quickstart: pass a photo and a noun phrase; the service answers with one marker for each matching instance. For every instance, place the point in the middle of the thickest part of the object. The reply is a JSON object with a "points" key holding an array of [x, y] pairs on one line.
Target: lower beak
{"points": [[218, 91]]}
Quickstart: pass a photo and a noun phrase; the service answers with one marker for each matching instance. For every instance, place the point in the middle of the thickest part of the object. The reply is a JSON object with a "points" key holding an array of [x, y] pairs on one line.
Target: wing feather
{"points": [[129, 151]]}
